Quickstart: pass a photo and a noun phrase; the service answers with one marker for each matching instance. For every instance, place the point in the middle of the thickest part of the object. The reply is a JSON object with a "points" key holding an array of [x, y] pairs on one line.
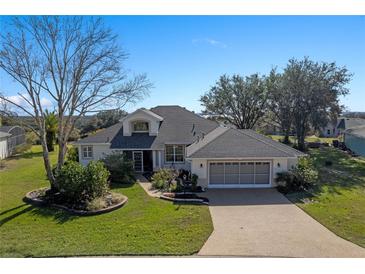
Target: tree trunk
{"points": [[286, 138], [49, 140], [47, 163], [301, 139]]}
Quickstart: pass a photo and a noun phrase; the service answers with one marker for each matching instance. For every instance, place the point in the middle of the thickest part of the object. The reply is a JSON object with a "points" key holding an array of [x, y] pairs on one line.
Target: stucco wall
{"points": [[355, 143], [200, 168], [141, 116], [99, 152]]}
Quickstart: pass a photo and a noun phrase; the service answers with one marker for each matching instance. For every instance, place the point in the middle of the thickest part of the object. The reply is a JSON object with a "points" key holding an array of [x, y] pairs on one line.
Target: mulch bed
{"points": [[36, 197], [184, 197]]}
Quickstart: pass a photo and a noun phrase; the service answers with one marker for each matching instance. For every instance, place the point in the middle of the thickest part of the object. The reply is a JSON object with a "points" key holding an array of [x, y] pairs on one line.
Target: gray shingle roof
{"points": [[244, 143], [4, 134], [178, 124], [176, 127], [6, 128], [346, 123], [357, 131]]}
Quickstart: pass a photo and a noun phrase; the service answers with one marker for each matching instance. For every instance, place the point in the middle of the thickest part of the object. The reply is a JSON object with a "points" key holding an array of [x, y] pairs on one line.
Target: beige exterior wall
{"points": [[140, 116], [99, 152], [200, 168], [292, 162]]}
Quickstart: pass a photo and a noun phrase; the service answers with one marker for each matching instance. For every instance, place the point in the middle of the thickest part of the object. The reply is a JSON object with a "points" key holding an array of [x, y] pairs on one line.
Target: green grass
{"points": [[338, 202], [307, 139], [144, 226]]}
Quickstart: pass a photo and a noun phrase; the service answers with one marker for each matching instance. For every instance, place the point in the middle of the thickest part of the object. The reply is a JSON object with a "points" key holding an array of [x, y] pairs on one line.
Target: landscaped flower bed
{"points": [[184, 197], [109, 202]]}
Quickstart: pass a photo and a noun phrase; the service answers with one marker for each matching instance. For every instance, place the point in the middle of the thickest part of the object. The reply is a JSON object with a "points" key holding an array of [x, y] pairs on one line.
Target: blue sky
{"points": [[184, 55]]}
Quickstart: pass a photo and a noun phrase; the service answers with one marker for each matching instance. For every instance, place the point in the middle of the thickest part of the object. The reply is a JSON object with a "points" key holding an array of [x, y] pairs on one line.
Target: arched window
{"points": [[140, 126]]}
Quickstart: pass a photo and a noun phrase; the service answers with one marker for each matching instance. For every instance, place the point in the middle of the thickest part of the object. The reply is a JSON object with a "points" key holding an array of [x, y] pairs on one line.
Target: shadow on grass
{"points": [[343, 173], [13, 216], [26, 155], [11, 209], [60, 216]]}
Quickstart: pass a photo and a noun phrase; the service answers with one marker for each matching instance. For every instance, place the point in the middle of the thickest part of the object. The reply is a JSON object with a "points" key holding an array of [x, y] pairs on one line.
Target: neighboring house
{"points": [[4, 151], [338, 127], [173, 137], [330, 130], [10, 138], [354, 139]]}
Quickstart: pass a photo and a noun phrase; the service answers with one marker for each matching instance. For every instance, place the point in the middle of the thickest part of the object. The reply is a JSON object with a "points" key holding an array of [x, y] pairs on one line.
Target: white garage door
{"points": [[239, 174]]}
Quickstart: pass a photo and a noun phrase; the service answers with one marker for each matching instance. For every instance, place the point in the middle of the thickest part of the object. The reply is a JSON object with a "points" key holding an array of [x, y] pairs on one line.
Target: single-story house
{"points": [[354, 139], [173, 137], [10, 138]]}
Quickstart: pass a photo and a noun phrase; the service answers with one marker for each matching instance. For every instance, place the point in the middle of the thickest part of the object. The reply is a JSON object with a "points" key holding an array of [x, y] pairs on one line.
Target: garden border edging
{"points": [[38, 202]]}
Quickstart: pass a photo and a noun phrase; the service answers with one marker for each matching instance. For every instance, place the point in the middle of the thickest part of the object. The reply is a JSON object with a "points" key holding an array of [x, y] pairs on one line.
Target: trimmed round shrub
{"points": [[96, 180], [80, 184], [120, 168]]}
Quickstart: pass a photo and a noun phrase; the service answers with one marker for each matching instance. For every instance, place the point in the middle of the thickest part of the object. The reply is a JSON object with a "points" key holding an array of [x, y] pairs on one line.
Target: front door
{"points": [[138, 161]]}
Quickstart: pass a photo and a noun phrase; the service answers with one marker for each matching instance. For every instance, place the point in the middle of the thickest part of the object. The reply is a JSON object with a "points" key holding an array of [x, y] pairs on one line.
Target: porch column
{"points": [[154, 162]]}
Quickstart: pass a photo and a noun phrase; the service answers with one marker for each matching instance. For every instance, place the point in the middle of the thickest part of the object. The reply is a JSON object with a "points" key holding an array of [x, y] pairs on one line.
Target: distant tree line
{"points": [[303, 96]]}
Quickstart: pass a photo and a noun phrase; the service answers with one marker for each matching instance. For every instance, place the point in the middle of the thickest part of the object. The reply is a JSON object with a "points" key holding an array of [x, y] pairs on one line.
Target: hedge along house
{"points": [[173, 137], [354, 139], [10, 138]]}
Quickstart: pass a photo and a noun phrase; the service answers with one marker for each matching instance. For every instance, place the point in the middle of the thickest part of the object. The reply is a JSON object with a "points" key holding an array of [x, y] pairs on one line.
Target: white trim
{"points": [[241, 185], [138, 151], [241, 158], [91, 144], [87, 152], [148, 112], [174, 154], [133, 149]]}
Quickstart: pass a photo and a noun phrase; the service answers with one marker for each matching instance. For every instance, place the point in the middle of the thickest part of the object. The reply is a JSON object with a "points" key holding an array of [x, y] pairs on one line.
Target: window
{"points": [[328, 131], [87, 152], [140, 126], [174, 153]]}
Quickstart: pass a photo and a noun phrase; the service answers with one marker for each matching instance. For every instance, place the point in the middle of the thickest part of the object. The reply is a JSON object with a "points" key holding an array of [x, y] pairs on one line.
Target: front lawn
{"points": [[339, 199], [144, 226]]}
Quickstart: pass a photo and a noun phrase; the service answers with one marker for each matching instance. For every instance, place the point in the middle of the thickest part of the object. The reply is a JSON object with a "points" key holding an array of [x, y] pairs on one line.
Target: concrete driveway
{"points": [[262, 222]]}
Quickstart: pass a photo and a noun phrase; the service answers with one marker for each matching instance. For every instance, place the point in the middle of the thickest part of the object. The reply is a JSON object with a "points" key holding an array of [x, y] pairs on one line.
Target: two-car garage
{"points": [[237, 174]]}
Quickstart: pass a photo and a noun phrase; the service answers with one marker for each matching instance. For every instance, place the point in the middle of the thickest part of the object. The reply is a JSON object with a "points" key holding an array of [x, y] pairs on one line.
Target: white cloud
{"points": [[46, 103], [19, 100], [210, 41]]}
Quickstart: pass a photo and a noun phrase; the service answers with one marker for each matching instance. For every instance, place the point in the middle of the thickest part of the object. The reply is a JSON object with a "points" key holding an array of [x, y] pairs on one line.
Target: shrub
{"points": [[162, 178], [194, 181], [80, 184], [32, 138], [72, 154], [22, 148], [120, 168], [300, 178], [96, 180]]}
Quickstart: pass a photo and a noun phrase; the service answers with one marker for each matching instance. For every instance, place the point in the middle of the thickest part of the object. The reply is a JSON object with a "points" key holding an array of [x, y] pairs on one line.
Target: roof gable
{"points": [[235, 143]]}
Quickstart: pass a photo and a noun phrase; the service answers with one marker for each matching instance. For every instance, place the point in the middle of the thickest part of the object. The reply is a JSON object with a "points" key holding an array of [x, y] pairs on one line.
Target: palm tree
{"points": [[51, 124]]}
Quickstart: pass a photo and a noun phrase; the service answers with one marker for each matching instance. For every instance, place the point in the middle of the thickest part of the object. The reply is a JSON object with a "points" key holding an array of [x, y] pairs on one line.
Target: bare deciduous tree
{"points": [[73, 61]]}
